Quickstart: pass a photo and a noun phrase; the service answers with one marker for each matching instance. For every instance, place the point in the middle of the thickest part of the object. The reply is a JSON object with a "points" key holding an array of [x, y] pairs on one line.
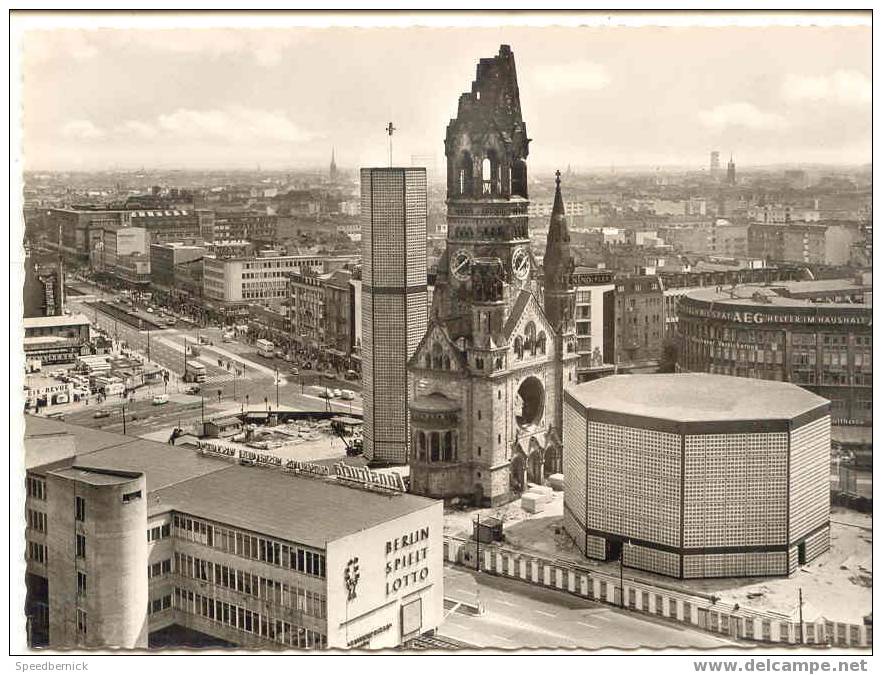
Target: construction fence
{"points": [[697, 610]]}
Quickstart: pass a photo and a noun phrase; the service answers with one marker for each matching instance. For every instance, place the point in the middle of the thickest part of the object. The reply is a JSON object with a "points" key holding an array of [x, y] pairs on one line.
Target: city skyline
{"points": [[284, 389], [767, 95]]}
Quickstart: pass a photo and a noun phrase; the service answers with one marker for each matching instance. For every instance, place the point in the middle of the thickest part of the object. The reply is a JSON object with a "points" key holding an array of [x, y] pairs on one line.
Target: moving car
{"points": [[337, 393], [326, 393], [192, 390], [100, 414], [347, 395], [150, 310], [161, 399], [294, 371], [280, 354]]}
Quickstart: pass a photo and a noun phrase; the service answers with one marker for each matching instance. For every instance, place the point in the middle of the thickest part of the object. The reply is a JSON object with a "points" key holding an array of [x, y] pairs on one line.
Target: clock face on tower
{"points": [[461, 264], [520, 263]]}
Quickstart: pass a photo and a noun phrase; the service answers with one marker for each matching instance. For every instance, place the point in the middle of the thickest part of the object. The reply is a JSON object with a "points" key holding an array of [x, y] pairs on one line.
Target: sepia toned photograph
{"points": [[442, 334]]}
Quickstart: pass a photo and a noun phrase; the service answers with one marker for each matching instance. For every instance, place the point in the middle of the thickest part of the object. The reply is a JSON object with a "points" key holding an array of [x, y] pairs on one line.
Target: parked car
{"points": [[294, 371], [150, 310], [192, 390], [100, 414], [56, 416], [347, 395], [161, 399], [337, 393], [326, 393], [280, 354]]}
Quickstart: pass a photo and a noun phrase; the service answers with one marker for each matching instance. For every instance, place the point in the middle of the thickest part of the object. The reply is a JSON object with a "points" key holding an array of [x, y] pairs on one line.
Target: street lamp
{"points": [[622, 575]]}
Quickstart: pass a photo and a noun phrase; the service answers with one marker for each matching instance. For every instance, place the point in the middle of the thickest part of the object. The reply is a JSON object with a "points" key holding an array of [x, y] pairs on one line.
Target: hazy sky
{"points": [[590, 96]]}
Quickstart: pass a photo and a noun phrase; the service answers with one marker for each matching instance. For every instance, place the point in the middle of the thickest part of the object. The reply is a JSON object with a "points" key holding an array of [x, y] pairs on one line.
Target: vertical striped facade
{"points": [[695, 499], [394, 319]]}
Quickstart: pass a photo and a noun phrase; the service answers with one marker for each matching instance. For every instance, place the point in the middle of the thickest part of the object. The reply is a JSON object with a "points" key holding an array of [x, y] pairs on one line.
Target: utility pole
{"points": [[124, 418], [622, 577], [477, 542], [801, 624], [277, 386], [185, 358], [202, 405], [148, 344]]}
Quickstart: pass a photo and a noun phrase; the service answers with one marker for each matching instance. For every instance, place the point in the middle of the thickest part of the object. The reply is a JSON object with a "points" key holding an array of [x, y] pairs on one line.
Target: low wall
{"points": [[698, 610]]}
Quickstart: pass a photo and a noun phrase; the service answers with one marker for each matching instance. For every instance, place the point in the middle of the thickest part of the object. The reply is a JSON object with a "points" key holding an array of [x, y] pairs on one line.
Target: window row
{"points": [[38, 552], [159, 604], [160, 568], [270, 590], [36, 520], [36, 487], [247, 621], [250, 546], [159, 532]]}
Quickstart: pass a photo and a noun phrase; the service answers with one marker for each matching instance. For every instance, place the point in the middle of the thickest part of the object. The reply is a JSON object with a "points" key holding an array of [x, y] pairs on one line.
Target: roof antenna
{"points": [[390, 130]]}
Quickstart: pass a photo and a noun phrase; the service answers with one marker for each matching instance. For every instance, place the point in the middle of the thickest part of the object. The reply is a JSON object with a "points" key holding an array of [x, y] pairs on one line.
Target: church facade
{"points": [[487, 378]]}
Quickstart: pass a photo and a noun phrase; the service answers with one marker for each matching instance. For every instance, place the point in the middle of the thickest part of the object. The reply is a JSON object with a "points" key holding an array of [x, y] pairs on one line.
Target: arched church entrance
{"points": [[552, 460], [478, 496], [518, 478], [534, 472]]}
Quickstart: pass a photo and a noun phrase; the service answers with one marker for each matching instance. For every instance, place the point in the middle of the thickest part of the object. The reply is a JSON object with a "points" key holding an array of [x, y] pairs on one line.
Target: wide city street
{"points": [[236, 375], [520, 615]]}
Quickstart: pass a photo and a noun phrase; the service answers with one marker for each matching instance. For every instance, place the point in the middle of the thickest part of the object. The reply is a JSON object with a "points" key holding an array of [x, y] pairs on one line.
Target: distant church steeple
{"points": [[559, 294], [333, 172], [730, 171]]}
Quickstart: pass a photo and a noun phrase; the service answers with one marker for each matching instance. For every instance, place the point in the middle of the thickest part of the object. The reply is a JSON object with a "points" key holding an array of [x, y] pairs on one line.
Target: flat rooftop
{"points": [[310, 511], [163, 464], [696, 397], [822, 286], [52, 321], [93, 477], [744, 295]]}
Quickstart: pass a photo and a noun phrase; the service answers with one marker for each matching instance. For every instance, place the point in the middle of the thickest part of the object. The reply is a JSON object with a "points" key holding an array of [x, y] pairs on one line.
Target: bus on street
{"points": [[195, 373], [265, 348]]}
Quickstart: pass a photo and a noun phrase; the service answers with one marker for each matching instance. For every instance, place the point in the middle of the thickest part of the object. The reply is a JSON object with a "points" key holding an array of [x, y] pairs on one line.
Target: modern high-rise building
{"points": [[393, 214], [430, 162], [715, 162]]}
